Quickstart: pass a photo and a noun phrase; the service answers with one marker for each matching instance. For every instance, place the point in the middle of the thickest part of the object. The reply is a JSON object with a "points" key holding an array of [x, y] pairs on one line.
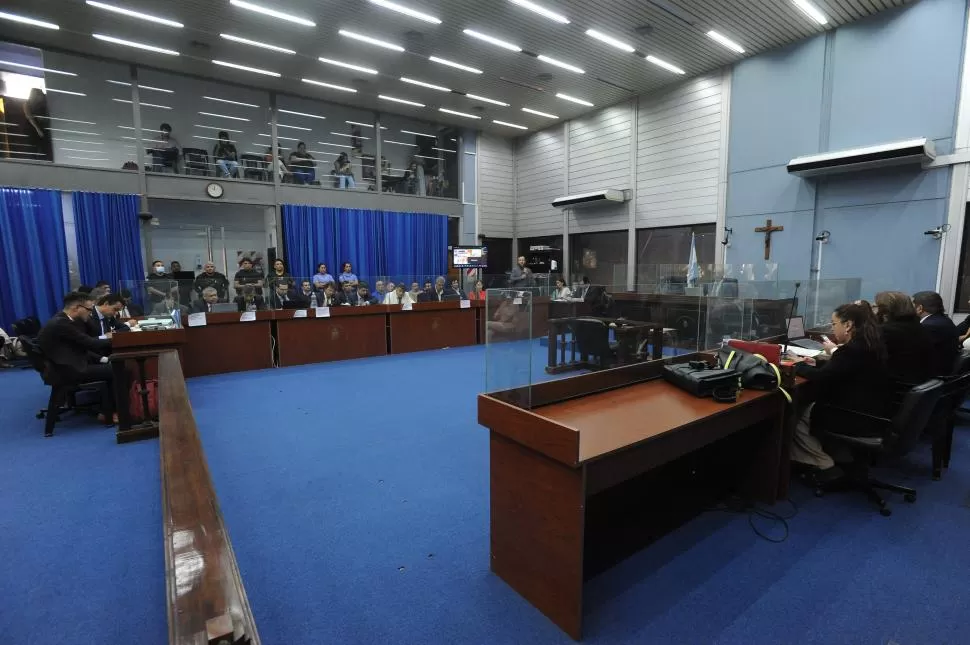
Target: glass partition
{"points": [[66, 109], [198, 127], [161, 297], [509, 350], [419, 158]]}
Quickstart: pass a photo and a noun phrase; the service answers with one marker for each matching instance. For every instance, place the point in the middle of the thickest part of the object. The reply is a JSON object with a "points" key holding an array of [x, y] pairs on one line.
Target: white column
{"points": [[722, 175]]}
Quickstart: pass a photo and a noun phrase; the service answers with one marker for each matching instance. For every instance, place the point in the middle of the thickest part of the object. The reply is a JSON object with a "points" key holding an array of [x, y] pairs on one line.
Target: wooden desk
{"points": [[349, 332], [555, 468], [431, 325], [226, 345]]}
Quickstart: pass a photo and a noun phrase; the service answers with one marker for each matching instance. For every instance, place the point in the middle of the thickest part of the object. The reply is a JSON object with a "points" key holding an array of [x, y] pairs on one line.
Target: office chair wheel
{"points": [[910, 497], [885, 511]]}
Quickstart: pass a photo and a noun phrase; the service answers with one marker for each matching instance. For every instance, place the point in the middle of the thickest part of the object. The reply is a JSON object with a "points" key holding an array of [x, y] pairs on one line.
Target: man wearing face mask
{"points": [[160, 283]]}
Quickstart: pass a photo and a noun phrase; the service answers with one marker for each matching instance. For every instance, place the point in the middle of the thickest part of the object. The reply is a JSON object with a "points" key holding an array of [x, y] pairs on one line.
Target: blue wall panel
{"points": [[768, 190], [882, 187], [791, 248]]}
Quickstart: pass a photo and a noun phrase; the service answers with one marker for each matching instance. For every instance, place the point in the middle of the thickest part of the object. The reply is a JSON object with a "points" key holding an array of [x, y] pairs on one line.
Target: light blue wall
{"points": [[469, 175], [892, 77]]}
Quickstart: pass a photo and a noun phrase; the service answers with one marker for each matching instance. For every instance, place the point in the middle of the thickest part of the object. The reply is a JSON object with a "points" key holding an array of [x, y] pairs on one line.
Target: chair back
{"points": [[912, 416], [29, 326], [593, 339], [196, 159], [962, 363], [35, 357]]}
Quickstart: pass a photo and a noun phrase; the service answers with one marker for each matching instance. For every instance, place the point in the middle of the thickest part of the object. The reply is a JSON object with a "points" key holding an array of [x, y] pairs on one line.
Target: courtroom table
{"points": [[348, 332], [571, 477], [431, 325]]}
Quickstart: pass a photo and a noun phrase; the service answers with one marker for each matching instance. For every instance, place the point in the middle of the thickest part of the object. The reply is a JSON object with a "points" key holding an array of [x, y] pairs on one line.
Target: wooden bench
{"points": [[207, 604]]}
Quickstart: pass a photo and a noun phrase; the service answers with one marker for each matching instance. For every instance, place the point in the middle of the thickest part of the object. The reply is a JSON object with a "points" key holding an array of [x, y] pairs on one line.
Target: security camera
{"points": [[937, 232]]}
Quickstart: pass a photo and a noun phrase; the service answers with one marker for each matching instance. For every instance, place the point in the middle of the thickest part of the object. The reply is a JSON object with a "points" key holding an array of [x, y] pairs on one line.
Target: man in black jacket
{"points": [[104, 317], [75, 355], [946, 343]]}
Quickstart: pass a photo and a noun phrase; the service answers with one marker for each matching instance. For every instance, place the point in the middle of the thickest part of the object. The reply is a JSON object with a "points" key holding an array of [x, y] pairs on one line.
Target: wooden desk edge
{"points": [[554, 440]]}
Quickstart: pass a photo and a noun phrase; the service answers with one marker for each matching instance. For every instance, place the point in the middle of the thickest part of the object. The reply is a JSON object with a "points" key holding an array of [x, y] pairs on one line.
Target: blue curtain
{"points": [[108, 238], [33, 254], [377, 243]]}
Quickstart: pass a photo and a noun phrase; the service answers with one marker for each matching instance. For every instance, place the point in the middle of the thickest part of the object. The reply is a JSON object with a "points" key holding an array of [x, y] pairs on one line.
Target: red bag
{"points": [[135, 407]]}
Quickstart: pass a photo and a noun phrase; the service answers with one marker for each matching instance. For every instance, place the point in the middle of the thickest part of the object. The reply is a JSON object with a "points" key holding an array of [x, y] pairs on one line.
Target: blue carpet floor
{"points": [[356, 496]]}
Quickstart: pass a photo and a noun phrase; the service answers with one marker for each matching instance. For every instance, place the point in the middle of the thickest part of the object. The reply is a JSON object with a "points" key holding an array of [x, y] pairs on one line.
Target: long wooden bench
{"points": [[207, 603]]}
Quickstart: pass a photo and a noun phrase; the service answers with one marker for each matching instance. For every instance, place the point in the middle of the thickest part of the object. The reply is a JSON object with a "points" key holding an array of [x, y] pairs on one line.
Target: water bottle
{"points": [[313, 300]]}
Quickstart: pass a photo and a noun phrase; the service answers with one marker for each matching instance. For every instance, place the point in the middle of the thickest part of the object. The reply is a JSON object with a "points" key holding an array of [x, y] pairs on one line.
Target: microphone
{"points": [[791, 314]]}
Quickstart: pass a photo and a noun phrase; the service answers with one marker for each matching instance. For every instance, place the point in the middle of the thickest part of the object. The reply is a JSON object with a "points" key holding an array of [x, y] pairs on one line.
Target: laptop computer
{"points": [[224, 307], [797, 337]]}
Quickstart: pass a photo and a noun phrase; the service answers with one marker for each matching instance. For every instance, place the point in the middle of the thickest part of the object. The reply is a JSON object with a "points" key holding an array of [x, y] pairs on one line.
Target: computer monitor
{"points": [[470, 256], [796, 327]]}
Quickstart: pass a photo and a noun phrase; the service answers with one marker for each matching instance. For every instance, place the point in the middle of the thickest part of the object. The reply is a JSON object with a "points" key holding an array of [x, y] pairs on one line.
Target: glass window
{"points": [[601, 257], [664, 247], [196, 127], [419, 158], [63, 108]]}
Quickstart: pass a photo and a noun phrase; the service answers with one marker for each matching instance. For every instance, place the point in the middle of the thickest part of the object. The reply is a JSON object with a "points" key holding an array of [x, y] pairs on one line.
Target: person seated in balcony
{"points": [[343, 170], [164, 150], [364, 297], [248, 276], [303, 165], [225, 156], [276, 162], [209, 297], [249, 300], [211, 278]]}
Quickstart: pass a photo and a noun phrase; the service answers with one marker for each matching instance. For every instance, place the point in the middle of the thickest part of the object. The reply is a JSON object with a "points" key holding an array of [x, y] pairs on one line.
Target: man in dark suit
{"points": [[104, 318], [456, 290], [280, 296], [131, 308], [427, 294], [74, 354], [348, 296], [210, 296], [946, 344]]}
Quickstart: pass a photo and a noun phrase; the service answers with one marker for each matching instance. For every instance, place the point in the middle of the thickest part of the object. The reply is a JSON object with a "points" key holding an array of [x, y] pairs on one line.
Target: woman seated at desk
{"points": [[854, 378], [562, 292]]}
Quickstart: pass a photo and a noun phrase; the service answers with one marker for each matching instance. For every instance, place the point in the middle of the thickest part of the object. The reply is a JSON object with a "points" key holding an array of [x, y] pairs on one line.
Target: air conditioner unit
{"points": [[913, 151], [610, 195]]}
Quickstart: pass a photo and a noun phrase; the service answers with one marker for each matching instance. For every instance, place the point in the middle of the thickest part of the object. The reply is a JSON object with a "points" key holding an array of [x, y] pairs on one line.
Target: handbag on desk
{"points": [[755, 371], [703, 381]]}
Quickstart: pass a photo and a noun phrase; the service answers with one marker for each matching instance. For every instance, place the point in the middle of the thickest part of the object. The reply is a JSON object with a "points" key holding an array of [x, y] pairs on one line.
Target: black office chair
{"points": [[196, 161], [29, 327], [63, 396], [593, 340], [955, 391], [889, 438], [254, 167]]}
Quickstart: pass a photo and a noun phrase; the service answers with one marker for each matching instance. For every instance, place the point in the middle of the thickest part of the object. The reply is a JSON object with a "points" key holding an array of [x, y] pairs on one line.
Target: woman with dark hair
{"points": [[909, 345], [279, 275], [854, 378]]}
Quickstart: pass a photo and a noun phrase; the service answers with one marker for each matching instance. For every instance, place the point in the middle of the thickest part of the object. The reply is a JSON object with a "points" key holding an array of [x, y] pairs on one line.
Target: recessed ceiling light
{"points": [[34, 67], [136, 45], [199, 136], [476, 97], [724, 40], [213, 98], [811, 11], [278, 137], [306, 114], [335, 145], [90, 134], [93, 152], [542, 11], [246, 68], [358, 68], [272, 13], [449, 63], [573, 99], [27, 21], [352, 136], [412, 81], [143, 104], [141, 87], [401, 143], [397, 100], [667, 66], [217, 127], [371, 41], [223, 116], [495, 41], [559, 63], [510, 125], [393, 6], [256, 43], [610, 40], [419, 134], [331, 86], [135, 14], [51, 89], [538, 113], [58, 118], [457, 113]]}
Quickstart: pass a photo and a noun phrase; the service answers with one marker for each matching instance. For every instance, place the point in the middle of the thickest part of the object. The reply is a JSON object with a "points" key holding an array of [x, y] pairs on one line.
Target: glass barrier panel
{"points": [[158, 297], [509, 350], [419, 158]]}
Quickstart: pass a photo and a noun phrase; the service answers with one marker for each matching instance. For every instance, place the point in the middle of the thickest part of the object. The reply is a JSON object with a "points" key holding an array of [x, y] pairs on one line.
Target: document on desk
{"points": [[406, 306], [517, 301], [465, 304], [299, 313], [323, 312], [247, 316], [197, 320], [804, 353]]}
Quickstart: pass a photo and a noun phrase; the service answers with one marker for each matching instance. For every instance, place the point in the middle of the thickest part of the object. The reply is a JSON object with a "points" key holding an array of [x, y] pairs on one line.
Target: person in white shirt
{"points": [[398, 297], [562, 292]]}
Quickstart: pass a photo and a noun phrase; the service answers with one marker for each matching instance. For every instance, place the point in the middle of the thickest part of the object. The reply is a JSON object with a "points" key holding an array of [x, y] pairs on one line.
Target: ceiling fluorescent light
{"points": [[34, 67], [93, 152], [217, 127], [246, 68], [135, 14], [86, 158], [278, 137], [89, 134], [559, 63], [495, 41], [573, 99], [358, 68], [136, 45], [724, 40], [510, 125], [476, 97], [293, 127], [400, 143], [143, 104], [445, 150], [142, 87], [352, 136], [311, 116], [335, 145], [224, 116], [542, 11], [199, 136], [27, 21], [256, 43], [272, 13], [51, 89], [449, 63], [538, 113], [667, 66], [363, 125], [397, 100], [407, 11], [412, 81], [457, 113], [610, 40], [331, 86], [419, 134], [811, 11], [57, 118], [214, 98], [371, 41], [427, 157], [87, 143]]}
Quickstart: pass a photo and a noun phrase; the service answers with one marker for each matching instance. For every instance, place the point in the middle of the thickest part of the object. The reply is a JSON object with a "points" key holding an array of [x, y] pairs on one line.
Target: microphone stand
{"points": [[791, 313]]}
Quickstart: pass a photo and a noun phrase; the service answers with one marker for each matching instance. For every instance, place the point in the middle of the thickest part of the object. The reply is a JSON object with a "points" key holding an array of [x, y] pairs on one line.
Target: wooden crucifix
{"points": [[768, 229]]}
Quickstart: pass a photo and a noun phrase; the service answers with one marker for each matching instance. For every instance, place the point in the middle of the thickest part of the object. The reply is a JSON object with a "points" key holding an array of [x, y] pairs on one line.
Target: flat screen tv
{"points": [[470, 256]]}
